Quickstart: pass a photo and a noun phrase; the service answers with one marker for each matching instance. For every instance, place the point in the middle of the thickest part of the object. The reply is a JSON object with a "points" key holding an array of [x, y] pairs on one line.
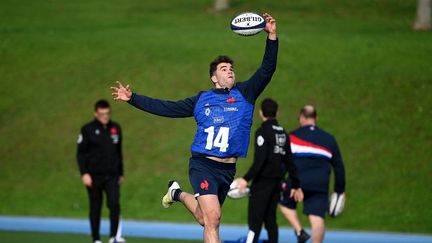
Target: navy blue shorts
{"points": [[315, 203], [211, 177]]}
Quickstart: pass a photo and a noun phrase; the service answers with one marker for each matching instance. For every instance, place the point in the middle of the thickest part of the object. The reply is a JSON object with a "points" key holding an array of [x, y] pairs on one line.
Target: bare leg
{"points": [[291, 216], [318, 228], [191, 204], [211, 212]]}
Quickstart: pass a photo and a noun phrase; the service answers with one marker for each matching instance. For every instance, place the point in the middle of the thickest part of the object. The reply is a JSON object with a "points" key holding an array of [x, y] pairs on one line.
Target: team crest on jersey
{"points": [[113, 130], [97, 132]]}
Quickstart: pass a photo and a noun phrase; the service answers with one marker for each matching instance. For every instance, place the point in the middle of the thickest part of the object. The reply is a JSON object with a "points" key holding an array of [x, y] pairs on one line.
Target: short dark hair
{"points": [[269, 108], [217, 61], [101, 104], [308, 111]]}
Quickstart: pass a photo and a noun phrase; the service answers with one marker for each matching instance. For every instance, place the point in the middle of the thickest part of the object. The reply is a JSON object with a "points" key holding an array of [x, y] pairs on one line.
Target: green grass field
{"points": [[359, 62], [20, 237]]}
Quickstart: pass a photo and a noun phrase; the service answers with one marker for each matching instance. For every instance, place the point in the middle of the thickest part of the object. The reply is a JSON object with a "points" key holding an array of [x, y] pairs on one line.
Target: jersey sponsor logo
{"points": [[277, 128], [204, 185], [300, 147], [218, 119], [230, 100], [115, 138], [80, 138], [260, 140], [228, 109], [279, 147]]}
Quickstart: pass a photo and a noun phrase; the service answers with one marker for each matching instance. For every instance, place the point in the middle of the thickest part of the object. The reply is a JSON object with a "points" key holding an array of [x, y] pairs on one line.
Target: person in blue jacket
{"points": [[315, 152]]}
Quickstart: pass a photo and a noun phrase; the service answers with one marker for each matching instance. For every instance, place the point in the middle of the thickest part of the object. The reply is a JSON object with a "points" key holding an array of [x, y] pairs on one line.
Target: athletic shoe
{"points": [[167, 200], [97, 241], [116, 240], [302, 237]]}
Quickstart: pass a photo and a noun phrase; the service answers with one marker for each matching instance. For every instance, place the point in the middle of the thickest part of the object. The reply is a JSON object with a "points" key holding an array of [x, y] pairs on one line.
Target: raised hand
{"points": [[121, 92], [270, 26]]}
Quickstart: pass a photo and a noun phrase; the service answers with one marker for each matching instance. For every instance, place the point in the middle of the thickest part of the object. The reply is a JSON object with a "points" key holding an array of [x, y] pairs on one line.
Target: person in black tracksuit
{"points": [[272, 155], [100, 162]]}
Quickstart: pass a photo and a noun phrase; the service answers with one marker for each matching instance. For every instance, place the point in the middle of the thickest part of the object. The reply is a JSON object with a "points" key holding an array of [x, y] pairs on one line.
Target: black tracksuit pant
{"points": [[262, 208], [109, 185]]}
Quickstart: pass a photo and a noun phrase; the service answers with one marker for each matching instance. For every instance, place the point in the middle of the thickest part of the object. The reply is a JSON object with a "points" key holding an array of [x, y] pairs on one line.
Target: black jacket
{"points": [[100, 149], [272, 154]]}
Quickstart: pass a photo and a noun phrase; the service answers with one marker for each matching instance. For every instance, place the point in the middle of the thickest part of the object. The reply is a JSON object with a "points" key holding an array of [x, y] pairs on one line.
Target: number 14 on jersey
{"points": [[221, 140]]}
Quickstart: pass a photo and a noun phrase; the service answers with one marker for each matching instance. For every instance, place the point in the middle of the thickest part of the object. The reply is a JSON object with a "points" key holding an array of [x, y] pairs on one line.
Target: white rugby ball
{"points": [[235, 193], [337, 204], [248, 24]]}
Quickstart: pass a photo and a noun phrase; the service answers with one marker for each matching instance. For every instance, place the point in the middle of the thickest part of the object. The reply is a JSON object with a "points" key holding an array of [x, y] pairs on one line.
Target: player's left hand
{"points": [[120, 180], [297, 194], [270, 26], [241, 184]]}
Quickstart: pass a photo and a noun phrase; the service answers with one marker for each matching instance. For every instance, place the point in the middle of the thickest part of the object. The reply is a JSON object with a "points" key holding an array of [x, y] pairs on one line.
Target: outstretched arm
{"points": [[252, 88], [176, 109]]}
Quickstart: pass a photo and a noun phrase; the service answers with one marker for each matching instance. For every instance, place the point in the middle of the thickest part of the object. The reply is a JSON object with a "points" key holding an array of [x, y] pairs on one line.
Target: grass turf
{"points": [[358, 61], [20, 237]]}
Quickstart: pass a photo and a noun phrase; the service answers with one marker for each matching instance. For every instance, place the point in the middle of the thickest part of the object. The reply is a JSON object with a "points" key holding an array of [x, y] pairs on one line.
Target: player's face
{"points": [[103, 115], [224, 76]]}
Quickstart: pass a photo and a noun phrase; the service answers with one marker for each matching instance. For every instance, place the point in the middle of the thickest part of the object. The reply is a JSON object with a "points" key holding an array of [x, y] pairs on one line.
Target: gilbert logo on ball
{"points": [[247, 24]]}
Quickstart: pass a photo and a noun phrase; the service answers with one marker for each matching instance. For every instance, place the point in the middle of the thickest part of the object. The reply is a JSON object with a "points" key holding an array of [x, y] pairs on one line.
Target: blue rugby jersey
{"points": [[224, 122], [314, 153], [223, 116]]}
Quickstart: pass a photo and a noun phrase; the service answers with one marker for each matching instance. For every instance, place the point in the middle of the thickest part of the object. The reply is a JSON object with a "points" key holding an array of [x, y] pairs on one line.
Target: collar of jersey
{"points": [[222, 91], [271, 121]]}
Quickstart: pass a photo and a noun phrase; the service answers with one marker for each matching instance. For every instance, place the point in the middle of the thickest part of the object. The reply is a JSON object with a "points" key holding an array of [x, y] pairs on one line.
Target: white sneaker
{"points": [[97, 241], [167, 200], [116, 240]]}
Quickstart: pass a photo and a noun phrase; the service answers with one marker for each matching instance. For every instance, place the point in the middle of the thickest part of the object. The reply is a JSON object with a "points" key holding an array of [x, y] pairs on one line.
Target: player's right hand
{"points": [[121, 92], [87, 180], [297, 194], [241, 184]]}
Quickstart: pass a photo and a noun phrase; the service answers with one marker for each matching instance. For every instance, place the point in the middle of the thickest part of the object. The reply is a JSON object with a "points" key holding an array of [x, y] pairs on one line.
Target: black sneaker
{"points": [[302, 237]]}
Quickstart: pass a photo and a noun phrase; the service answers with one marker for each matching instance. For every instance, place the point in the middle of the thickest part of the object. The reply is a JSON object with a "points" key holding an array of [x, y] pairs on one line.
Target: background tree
{"points": [[221, 5], [423, 20]]}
